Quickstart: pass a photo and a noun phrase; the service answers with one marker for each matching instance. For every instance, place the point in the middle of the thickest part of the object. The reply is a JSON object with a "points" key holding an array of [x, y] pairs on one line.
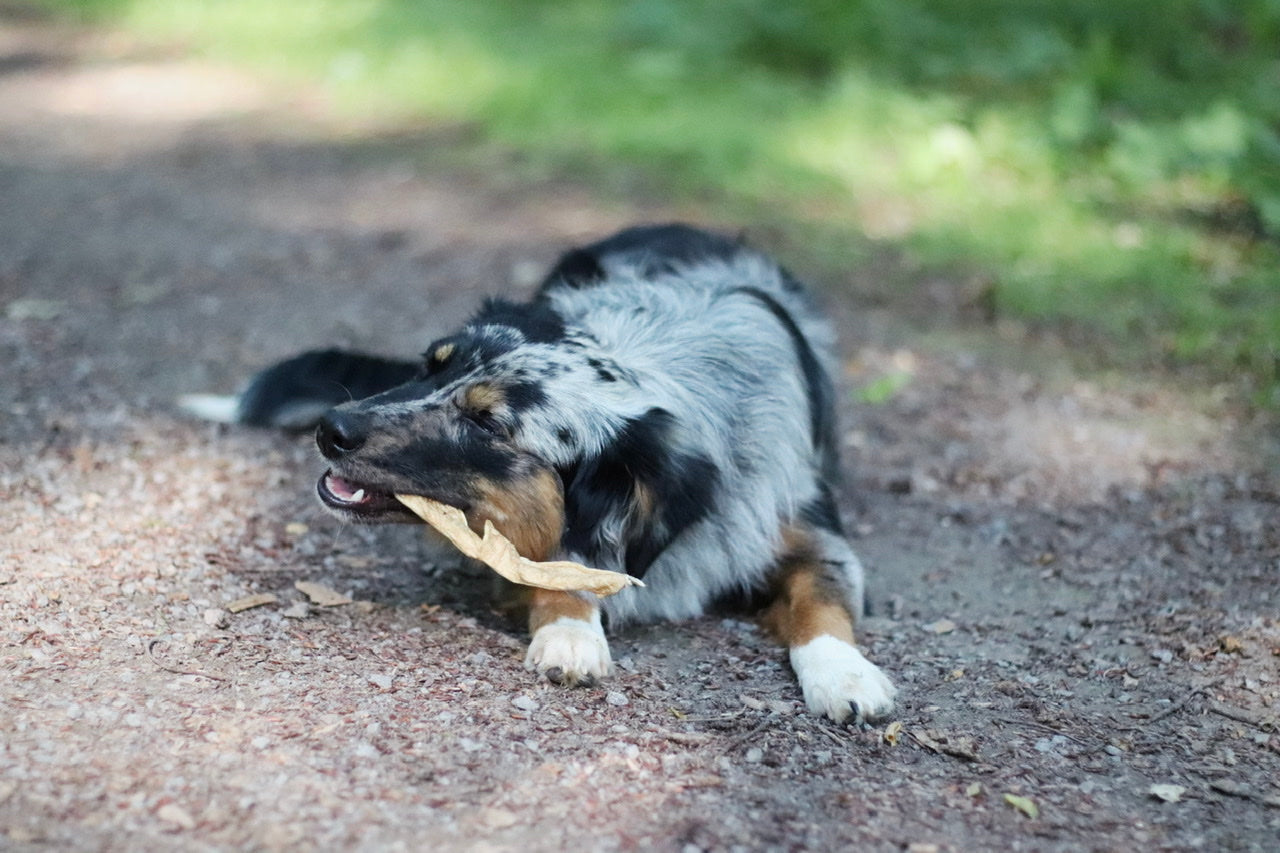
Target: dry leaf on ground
{"points": [[1023, 804], [251, 601], [321, 595]]}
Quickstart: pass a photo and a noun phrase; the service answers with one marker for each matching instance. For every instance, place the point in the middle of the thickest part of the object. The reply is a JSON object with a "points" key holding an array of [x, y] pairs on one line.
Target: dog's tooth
{"points": [[357, 496]]}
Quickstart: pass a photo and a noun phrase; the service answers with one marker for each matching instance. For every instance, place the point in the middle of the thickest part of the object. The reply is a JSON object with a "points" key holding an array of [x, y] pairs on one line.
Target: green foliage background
{"points": [[1108, 165]]}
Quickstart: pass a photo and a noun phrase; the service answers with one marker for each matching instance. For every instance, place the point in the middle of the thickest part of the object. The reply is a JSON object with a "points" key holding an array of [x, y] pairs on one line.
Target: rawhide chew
{"points": [[497, 552]]}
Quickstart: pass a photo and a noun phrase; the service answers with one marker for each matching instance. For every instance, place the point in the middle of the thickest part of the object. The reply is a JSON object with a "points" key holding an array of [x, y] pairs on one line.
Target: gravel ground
{"points": [[1074, 580]]}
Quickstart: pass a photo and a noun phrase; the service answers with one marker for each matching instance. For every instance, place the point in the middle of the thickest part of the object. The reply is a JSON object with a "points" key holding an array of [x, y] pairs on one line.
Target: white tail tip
{"points": [[221, 408]]}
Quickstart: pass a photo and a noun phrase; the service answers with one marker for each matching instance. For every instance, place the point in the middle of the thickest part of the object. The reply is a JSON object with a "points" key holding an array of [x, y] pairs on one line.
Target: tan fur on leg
{"points": [[812, 617], [568, 644]]}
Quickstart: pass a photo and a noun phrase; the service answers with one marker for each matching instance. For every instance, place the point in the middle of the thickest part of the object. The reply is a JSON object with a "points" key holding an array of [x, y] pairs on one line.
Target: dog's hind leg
{"points": [[818, 589], [568, 644]]}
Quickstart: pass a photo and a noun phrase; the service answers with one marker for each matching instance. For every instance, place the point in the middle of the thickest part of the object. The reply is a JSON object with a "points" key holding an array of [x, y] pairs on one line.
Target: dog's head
{"points": [[456, 433], [518, 420]]}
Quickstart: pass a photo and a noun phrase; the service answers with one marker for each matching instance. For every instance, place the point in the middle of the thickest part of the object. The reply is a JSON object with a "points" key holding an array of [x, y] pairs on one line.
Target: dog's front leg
{"points": [[819, 591], [568, 644]]}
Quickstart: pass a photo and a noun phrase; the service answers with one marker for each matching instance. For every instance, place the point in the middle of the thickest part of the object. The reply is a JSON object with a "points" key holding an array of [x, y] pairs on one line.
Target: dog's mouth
{"points": [[355, 498]]}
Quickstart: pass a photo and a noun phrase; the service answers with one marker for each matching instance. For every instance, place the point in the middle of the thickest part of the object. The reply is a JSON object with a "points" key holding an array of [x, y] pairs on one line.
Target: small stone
{"points": [[614, 697], [297, 610], [216, 617], [942, 626], [525, 703], [176, 815], [755, 755], [380, 680], [498, 818], [1168, 793]]}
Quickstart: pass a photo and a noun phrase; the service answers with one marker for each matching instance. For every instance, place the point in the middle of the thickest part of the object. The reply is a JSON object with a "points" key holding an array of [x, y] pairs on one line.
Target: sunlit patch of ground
{"points": [[1014, 435]]}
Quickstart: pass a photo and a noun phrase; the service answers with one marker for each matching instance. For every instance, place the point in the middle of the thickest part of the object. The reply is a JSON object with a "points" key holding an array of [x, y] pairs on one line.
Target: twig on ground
{"points": [[161, 665], [837, 739], [693, 739], [944, 747], [1240, 715], [741, 739], [1032, 724], [1176, 706]]}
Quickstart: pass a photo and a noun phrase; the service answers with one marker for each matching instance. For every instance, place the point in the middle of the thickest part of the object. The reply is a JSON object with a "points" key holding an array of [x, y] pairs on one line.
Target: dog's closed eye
{"points": [[481, 405], [485, 420]]}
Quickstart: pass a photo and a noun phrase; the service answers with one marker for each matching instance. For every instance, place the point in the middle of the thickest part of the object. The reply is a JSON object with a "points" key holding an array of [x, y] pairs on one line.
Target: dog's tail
{"points": [[296, 393]]}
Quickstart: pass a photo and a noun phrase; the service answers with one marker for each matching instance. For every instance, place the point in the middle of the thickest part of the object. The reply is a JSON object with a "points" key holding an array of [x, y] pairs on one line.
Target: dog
{"points": [[662, 406]]}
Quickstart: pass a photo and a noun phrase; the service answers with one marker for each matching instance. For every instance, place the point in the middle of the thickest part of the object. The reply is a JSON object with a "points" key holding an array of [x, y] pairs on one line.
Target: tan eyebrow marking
{"points": [[442, 353], [484, 398]]}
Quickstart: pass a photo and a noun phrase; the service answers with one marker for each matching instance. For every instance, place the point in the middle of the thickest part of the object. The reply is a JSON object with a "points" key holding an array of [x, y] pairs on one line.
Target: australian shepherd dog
{"points": [[662, 406]]}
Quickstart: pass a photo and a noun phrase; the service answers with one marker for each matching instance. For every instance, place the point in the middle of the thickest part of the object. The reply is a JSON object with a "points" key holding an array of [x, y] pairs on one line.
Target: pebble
{"points": [[525, 703], [614, 697], [498, 818], [755, 755], [216, 617], [176, 815], [380, 680], [297, 610]]}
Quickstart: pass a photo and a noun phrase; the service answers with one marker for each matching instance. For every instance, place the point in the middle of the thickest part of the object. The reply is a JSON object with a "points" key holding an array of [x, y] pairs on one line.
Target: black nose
{"points": [[340, 433]]}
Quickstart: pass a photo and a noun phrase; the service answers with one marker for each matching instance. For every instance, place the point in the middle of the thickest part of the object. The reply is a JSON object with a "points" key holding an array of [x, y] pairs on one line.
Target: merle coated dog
{"points": [[662, 406]]}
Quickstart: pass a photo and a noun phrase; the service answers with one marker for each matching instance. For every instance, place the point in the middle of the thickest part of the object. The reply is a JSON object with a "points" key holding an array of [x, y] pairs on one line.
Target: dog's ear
{"points": [[625, 506]]}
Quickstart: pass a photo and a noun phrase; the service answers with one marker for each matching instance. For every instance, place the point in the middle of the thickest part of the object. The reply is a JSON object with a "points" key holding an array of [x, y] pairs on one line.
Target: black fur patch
{"points": [[454, 464], [576, 268], [522, 396], [659, 248], [654, 249], [282, 395], [822, 417], [602, 372], [640, 465], [822, 512], [535, 320]]}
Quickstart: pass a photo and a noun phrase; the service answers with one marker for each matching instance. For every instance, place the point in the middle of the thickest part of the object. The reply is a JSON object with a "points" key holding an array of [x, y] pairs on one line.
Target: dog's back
{"points": [[726, 343]]}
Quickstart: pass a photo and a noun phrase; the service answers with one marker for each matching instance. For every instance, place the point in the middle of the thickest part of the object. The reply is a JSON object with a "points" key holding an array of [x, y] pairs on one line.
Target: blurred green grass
{"points": [[1110, 167]]}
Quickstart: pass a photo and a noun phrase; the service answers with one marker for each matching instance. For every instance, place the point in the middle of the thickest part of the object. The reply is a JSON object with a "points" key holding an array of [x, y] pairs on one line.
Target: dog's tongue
{"points": [[343, 490]]}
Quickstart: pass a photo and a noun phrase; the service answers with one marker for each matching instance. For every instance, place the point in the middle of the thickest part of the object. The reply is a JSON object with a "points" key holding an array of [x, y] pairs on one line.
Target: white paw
{"points": [[570, 652], [839, 682]]}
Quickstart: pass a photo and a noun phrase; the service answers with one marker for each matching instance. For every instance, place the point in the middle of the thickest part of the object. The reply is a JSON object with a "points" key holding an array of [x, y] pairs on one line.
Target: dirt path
{"points": [[1076, 585]]}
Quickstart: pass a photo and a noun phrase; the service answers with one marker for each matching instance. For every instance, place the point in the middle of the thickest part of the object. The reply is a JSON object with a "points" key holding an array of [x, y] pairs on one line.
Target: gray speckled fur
{"points": [[694, 343]]}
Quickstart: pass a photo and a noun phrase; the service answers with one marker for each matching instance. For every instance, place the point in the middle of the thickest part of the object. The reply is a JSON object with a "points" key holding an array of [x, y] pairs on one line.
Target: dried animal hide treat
{"points": [[497, 552]]}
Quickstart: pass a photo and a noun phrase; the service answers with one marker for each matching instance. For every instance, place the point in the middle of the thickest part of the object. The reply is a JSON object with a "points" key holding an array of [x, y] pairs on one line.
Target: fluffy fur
{"points": [[662, 407]]}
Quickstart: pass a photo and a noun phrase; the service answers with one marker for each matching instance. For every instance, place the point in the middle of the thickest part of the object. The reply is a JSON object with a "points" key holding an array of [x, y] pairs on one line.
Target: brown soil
{"points": [[1075, 580]]}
